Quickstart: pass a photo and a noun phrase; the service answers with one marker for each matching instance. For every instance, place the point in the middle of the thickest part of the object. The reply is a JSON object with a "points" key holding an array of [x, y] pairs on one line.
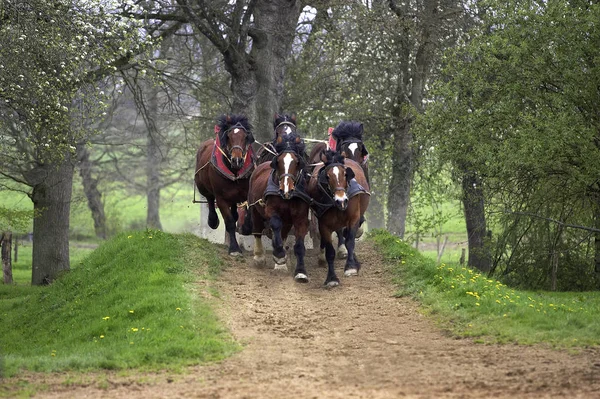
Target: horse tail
{"points": [[247, 225]]}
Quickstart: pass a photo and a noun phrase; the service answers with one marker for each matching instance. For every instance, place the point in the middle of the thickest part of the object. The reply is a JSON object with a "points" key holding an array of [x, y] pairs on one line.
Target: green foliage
{"points": [[517, 109], [131, 303], [470, 304]]}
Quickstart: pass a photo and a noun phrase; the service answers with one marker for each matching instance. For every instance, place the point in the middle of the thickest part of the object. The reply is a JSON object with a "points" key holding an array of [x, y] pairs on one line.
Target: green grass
{"points": [[129, 304], [471, 305], [22, 268]]}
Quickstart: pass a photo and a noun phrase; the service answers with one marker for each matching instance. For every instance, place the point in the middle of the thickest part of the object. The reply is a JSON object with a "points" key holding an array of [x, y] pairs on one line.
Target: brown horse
{"points": [[340, 192], [282, 125], [346, 139], [277, 196], [223, 168]]}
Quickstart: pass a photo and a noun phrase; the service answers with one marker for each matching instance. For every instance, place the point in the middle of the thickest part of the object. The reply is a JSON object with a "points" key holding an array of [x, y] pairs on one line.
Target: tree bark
{"points": [[51, 196], [474, 208], [278, 19], [90, 188], [400, 184], [154, 161], [6, 260]]}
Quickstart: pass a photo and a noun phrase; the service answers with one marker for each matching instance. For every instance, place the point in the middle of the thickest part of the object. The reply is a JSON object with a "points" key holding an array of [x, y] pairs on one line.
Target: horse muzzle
{"points": [[341, 201]]}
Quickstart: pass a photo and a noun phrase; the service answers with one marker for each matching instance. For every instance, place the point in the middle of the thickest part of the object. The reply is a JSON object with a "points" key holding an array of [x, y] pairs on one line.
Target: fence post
{"points": [[6, 259]]}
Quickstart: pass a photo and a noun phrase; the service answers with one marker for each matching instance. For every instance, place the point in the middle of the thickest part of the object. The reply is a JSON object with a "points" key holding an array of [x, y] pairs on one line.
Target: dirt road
{"points": [[355, 341]]}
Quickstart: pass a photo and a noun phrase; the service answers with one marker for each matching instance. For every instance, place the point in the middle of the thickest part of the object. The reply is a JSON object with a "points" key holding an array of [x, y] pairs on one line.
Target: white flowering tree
{"points": [[54, 56]]}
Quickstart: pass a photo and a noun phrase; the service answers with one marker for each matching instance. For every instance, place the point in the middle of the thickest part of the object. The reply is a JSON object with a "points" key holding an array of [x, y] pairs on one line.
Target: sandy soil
{"points": [[355, 341]]}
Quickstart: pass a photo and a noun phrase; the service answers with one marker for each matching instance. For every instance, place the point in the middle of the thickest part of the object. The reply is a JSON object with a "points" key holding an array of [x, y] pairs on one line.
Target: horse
{"points": [[277, 195], [340, 193], [282, 125], [223, 168], [346, 139]]}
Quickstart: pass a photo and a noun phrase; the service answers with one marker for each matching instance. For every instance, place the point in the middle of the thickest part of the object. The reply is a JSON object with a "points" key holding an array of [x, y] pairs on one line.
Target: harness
{"points": [[218, 154], [357, 141]]}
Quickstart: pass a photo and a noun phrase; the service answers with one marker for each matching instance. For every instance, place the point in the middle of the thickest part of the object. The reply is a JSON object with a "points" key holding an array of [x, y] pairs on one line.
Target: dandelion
{"points": [[178, 309], [106, 318], [476, 303], [131, 311], [102, 336], [134, 329], [129, 236], [131, 343], [498, 301], [504, 315]]}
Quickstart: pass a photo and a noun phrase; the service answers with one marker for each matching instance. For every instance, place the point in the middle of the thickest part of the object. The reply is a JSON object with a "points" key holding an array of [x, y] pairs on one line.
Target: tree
{"points": [[48, 87], [519, 107]]}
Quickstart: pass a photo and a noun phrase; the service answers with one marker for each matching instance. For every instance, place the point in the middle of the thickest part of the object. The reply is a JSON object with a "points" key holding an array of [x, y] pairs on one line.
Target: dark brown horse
{"points": [[282, 125], [341, 192], [223, 168], [277, 196], [347, 140]]}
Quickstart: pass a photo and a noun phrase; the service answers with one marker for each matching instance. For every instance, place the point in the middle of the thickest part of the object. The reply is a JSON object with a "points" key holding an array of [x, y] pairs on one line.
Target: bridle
{"points": [[293, 125], [357, 141], [323, 179], [292, 176], [230, 150]]}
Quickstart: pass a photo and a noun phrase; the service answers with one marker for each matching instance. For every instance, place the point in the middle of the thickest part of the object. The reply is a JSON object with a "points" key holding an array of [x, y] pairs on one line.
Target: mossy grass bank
{"points": [[132, 303], [470, 304]]}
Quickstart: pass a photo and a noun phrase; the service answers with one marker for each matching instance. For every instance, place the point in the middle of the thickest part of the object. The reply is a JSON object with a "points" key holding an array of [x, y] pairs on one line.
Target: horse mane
{"points": [[288, 143], [332, 157], [347, 130], [226, 121], [284, 118]]}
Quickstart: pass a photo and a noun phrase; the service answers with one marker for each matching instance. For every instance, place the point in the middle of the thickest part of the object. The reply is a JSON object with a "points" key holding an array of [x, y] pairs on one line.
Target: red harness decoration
{"points": [[331, 144], [218, 161]]}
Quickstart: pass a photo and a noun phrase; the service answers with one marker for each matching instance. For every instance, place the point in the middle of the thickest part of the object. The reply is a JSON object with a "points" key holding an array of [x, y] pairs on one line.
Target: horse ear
{"points": [[298, 140], [349, 174], [250, 138], [361, 129], [228, 118], [279, 139]]}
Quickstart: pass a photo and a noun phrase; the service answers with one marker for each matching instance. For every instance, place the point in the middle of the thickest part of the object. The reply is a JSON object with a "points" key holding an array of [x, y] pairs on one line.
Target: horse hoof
{"points": [[280, 268], [236, 254], [359, 232], [301, 278], [259, 258], [280, 261], [342, 252], [351, 272], [332, 284]]}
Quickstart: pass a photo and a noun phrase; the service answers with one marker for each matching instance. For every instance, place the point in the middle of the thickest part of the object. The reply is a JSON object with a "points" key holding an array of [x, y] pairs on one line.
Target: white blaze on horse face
{"points": [[353, 147], [337, 196], [236, 130], [287, 130], [287, 161]]}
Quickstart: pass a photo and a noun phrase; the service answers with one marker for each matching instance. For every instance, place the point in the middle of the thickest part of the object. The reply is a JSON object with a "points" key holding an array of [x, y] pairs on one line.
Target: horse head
{"points": [[289, 163], [235, 135], [348, 136], [284, 125], [335, 177]]}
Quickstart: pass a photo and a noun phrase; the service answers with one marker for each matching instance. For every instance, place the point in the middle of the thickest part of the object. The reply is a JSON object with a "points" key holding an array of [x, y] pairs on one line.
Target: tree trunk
{"points": [[90, 188], [596, 210], [51, 196], [473, 202], [400, 184], [278, 18], [6, 240], [154, 162]]}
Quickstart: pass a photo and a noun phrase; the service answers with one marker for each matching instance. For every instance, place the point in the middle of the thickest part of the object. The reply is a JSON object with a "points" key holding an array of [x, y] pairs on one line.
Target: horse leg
{"points": [[300, 230], [360, 230], [278, 250], [342, 252], [213, 218], [322, 260], [331, 280], [352, 265], [228, 217], [257, 223]]}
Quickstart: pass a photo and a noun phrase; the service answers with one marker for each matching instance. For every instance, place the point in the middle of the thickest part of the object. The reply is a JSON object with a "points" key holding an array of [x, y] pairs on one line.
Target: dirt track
{"points": [[355, 341]]}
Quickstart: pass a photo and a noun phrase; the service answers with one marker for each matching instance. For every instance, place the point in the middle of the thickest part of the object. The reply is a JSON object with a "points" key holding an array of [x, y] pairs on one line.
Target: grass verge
{"points": [[469, 304], [129, 304]]}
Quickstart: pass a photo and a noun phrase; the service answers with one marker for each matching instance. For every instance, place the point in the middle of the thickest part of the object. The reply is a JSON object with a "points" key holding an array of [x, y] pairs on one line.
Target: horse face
{"points": [[287, 167], [338, 182], [236, 146], [354, 150]]}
